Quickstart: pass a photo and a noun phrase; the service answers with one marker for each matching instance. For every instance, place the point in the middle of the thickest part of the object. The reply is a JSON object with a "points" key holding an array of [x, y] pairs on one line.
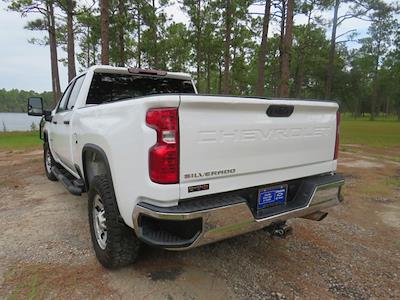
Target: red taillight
{"points": [[336, 155], [164, 155]]}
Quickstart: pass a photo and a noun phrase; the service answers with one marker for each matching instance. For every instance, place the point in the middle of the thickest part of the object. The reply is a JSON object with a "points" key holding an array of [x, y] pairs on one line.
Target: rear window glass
{"points": [[115, 87]]}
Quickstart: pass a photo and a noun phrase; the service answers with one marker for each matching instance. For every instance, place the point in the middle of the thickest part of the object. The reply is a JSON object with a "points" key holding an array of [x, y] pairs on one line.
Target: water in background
{"points": [[17, 121]]}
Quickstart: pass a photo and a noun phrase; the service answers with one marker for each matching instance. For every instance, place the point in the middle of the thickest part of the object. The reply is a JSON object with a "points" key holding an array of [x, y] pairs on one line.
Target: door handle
{"points": [[66, 122], [54, 122]]}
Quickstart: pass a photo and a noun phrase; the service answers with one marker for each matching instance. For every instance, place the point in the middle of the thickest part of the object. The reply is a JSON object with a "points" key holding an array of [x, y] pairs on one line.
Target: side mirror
{"points": [[35, 106]]}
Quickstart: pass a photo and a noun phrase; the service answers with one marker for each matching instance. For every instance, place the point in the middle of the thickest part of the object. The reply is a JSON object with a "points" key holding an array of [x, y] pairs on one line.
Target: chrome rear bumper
{"points": [[231, 220]]}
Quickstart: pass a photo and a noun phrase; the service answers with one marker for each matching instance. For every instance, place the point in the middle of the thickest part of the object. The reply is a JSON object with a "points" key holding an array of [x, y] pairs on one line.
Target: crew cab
{"points": [[175, 169]]}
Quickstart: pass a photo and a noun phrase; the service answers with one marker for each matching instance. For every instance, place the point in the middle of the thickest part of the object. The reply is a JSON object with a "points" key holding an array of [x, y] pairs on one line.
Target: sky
{"points": [[26, 66]]}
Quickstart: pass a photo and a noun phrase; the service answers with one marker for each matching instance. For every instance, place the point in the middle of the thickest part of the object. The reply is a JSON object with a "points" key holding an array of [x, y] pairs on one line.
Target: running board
{"points": [[75, 187]]}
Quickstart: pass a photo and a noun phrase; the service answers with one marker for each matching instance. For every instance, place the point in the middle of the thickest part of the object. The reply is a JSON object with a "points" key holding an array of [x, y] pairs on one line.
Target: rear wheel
{"points": [[48, 162], [115, 244]]}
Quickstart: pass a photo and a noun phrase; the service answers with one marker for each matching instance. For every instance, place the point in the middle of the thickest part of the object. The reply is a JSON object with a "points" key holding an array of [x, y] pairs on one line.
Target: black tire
{"points": [[49, 162], [121, 245]]}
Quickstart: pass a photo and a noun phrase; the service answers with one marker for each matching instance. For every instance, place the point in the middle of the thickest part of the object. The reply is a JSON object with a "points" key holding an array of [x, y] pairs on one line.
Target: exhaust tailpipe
{"points": [[279, 230], [316, 216]]}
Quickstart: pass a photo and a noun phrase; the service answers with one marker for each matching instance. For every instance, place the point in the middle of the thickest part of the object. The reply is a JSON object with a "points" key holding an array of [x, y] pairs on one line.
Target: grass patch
{"points": [[393, 181], [370, 133], [382, 133], [392, 158], [381, 188], [366, 117], [348, 149], [19, 140], [27, 290], [377, 189], [26, 283]]}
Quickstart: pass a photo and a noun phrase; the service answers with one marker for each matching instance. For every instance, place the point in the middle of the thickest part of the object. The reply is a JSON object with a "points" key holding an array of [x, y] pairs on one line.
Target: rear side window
{"points": [[115, 87]]}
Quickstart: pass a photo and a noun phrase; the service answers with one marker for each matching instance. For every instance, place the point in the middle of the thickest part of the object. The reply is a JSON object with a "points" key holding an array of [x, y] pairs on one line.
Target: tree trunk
{"points": [[299, 74], [121, 39], [55, 78], [88, 47], [233, 59], [94, 54], [208, 74], [70, 40], [139, 49], [375, 83], [387, 105], [357, 109], [331, 58], [154, 31], [299, 79], [281, 41], [219, 77], [105, 39], [198, 39], [260, 90], [287, 46], [227, 55]]}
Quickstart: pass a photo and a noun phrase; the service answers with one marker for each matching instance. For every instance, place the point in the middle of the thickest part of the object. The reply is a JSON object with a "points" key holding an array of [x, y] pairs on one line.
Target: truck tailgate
{"points": [[231, 143]]}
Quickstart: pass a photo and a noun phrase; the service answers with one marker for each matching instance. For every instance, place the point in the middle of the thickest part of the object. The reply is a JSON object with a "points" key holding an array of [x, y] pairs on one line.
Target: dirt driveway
{"points": [[45, 248]]}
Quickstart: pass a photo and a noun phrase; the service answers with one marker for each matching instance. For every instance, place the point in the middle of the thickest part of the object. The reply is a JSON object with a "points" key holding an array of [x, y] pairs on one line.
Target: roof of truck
{"points": [[125, 70]]}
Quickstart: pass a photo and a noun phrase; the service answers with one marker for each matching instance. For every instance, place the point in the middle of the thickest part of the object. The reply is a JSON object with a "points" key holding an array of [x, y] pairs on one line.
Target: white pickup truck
{"points": [[174, 169]]}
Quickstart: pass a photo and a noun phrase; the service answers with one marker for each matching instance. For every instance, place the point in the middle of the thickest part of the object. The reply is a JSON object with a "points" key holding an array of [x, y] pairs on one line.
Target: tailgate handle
{"points": [[279, 111]]}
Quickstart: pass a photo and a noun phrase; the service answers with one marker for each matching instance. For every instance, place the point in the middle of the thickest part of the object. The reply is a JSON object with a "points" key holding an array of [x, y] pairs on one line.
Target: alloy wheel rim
{"points": [[99, 222], [48, 161]]}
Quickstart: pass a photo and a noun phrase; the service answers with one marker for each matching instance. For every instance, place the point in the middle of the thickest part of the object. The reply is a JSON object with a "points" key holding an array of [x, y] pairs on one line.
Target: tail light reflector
{"points": [[164, 155], [336, 155]]}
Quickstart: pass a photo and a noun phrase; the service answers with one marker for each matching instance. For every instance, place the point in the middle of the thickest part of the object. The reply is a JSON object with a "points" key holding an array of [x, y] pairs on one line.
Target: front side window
{"points": [[64, 98], [75, 92], [115, 87]]}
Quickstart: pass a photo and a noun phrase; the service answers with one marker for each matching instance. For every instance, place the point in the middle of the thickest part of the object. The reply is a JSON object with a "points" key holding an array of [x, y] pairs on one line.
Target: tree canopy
{"points": [[230, 48]]}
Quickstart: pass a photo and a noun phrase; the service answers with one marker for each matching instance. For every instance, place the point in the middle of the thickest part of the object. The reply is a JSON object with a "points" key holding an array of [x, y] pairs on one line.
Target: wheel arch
{"points": [[45, 136], [94, 163]]}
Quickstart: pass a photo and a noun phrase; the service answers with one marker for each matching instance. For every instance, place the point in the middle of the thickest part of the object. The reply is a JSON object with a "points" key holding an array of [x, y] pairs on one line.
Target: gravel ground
{"points": [[45, 247]]}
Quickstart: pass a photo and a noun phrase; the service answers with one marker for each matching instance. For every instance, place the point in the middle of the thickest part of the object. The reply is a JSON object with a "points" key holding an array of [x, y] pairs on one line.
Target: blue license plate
{"points": [[271, 196]]}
